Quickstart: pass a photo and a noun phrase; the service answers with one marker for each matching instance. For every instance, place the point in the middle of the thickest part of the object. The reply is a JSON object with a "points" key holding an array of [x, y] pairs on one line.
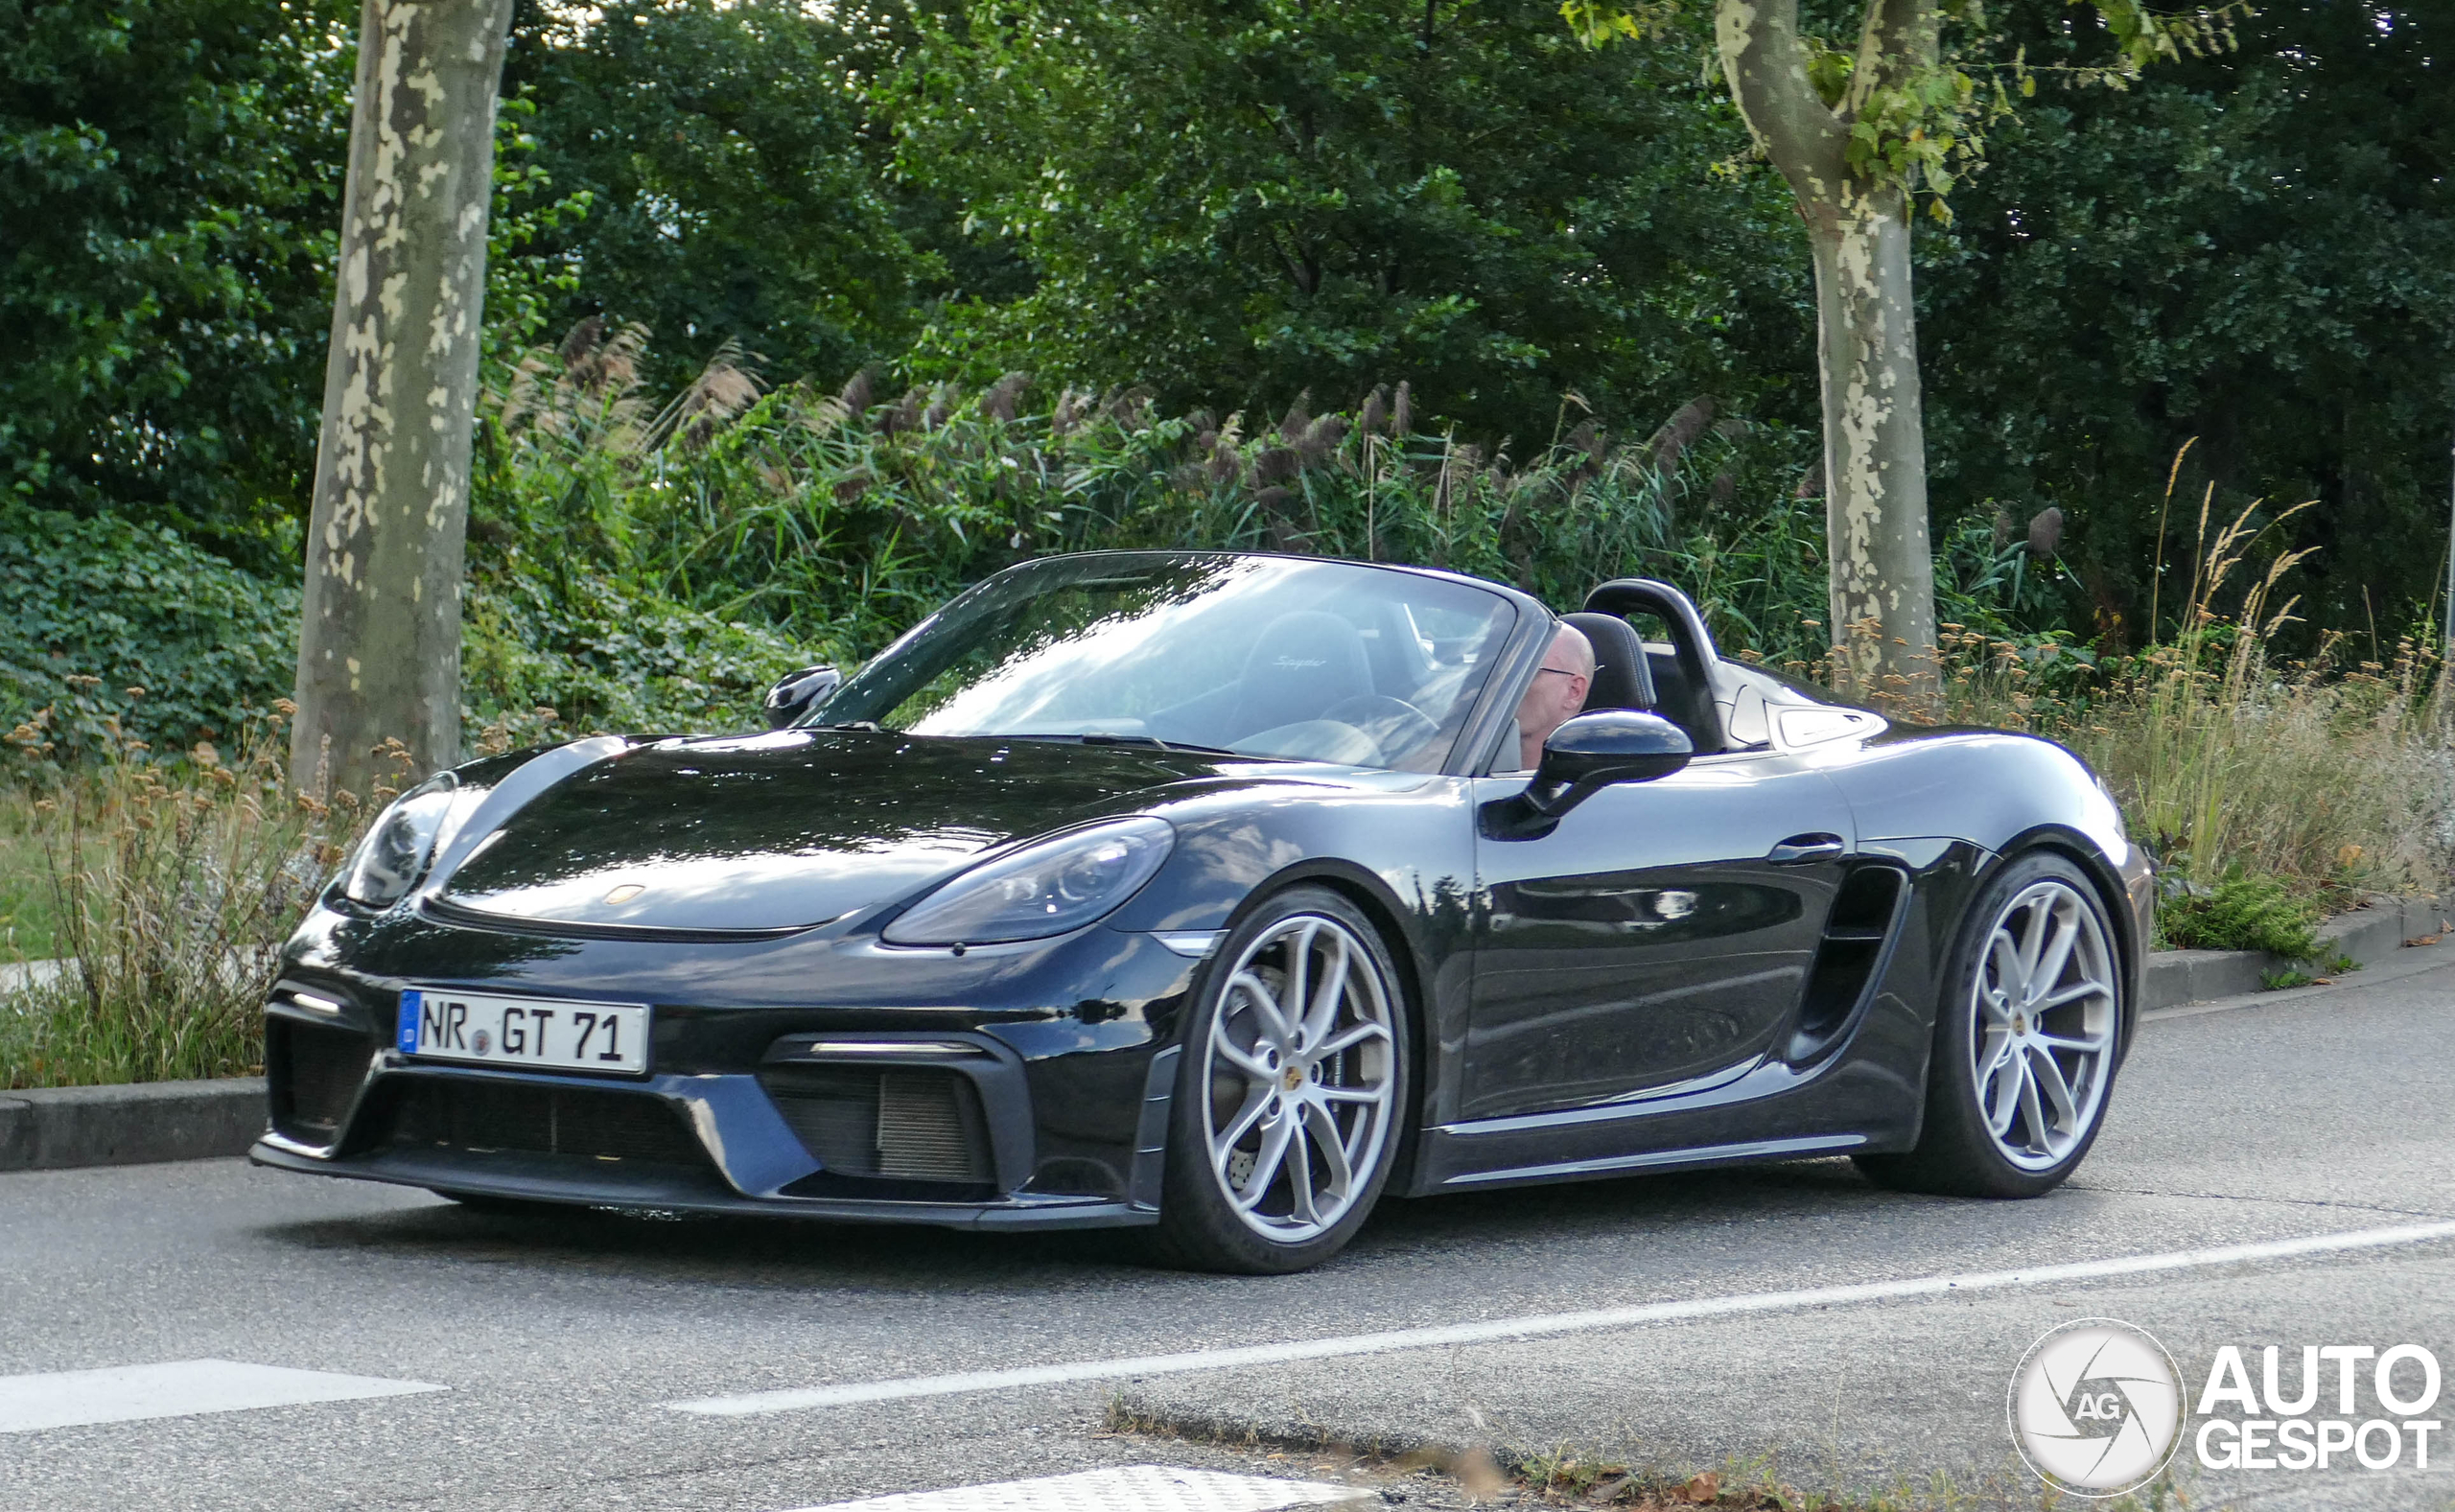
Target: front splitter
{"points": [[549, 1179]]}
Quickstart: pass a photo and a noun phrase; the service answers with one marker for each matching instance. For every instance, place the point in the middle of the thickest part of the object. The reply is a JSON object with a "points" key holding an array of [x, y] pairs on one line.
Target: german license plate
{"points": [[548, 1034]]}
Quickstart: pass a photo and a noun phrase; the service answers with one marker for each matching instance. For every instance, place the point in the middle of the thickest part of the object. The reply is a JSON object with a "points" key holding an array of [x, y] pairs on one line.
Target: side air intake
{"points": [[1864, 917]]}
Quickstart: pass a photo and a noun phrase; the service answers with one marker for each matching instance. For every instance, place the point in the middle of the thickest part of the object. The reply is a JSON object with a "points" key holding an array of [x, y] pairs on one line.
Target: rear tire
{"points": [[2027, 1039], [1291, 1093]]}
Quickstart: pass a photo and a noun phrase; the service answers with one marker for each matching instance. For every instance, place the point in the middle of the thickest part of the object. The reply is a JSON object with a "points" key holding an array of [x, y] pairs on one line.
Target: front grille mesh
{"points": [[900, 1123], [922, 1136], [531, 1119], [319, 1071]]}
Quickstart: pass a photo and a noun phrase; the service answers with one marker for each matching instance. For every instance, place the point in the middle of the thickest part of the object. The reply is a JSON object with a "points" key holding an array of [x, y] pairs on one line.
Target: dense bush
{"points": [[639, 566], [652, 565], [2241, 913], [600, 658], [841, 518], [99, 607]]}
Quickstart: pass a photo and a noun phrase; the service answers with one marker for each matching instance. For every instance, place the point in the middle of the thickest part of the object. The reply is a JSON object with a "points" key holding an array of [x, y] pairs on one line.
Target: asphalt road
{"points": [[562, 1344]]}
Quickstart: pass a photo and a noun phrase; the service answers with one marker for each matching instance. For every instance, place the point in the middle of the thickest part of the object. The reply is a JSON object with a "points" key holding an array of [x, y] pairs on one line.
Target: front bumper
{"points": [[1041, 1102], [546, 1179]]}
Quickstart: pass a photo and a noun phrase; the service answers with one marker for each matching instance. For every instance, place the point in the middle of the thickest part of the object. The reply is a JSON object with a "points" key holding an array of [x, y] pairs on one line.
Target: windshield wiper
{"points": [[1147, 742], [869, 725], [1154, 741]]}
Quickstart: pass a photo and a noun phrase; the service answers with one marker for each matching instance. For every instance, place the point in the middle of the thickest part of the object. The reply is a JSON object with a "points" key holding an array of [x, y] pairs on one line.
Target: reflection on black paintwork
{"points": [[1649, 940], [405, 945], [1526, 915], [787, 830]]}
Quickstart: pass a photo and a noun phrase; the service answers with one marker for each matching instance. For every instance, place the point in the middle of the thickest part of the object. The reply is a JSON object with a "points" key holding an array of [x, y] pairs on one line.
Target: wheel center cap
{"points": [[1292, 1078], [2020, 1023]]}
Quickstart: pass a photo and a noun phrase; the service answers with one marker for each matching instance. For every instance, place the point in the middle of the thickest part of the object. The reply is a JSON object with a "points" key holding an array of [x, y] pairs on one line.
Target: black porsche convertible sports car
{"points": [[1207, 893]]}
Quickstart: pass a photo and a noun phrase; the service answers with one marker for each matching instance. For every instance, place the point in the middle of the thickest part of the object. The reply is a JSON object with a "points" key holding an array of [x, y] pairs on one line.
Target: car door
{"points": [[1662, 933]]}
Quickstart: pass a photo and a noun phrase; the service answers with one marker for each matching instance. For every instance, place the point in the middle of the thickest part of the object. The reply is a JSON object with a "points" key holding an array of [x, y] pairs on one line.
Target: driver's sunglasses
{"points": [[1558, 670]]}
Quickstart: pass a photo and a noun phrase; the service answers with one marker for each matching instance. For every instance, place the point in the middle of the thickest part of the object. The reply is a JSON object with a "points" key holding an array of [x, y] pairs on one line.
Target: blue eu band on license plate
{"points": [[407, 1037]]}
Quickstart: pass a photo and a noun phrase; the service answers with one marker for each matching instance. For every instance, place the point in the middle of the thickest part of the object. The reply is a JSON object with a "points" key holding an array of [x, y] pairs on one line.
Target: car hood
{"points": [[785, 830]]}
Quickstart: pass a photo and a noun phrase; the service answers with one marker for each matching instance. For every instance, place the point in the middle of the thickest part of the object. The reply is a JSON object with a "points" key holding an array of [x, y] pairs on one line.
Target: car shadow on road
{"points": [[1604, 1209], [804, 1253]]}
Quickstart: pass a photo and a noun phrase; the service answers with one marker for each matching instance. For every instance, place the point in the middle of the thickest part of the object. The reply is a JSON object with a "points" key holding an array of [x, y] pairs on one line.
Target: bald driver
{"points": [[1559, 691]]}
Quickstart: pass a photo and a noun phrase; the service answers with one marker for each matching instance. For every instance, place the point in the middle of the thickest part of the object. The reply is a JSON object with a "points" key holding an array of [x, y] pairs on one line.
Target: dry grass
{"points": [[1450, 1476], [25, 891], [2330, 775], [169, 893]]}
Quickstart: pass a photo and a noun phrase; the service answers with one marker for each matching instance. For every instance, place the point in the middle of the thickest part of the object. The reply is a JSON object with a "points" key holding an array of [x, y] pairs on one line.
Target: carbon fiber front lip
{"points": [[549, 1179]]}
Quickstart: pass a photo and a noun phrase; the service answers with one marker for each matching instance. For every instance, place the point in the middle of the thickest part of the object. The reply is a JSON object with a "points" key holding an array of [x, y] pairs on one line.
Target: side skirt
{"points": [[1775, 1111], [1658, 1160]]}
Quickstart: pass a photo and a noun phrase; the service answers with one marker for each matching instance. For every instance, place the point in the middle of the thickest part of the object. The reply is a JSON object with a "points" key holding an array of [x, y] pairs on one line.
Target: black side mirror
{"points": [[1592, 751], [799, 692], [1610, 745]]}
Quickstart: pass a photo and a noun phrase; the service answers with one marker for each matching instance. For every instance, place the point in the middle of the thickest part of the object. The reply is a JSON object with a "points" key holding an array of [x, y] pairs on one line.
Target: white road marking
{"points": [[176, 1388], [1496, 1330], [1128, 1488]]}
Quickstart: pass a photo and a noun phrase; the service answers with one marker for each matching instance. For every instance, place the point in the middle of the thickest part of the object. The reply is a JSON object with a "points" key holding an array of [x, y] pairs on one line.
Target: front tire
{"points": [[2027, 1039], [1292, 1092]]}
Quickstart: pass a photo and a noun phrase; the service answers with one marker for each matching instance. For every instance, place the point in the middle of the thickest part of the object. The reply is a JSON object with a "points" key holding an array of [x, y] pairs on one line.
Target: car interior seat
{"points": [[1623, 677], [1677, 699], [1401, 663]]}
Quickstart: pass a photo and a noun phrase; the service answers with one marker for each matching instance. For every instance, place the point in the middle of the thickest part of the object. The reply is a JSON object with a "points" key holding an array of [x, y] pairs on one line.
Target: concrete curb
{"points": [[58, 1128], [51, 1129], [2367, 935]]}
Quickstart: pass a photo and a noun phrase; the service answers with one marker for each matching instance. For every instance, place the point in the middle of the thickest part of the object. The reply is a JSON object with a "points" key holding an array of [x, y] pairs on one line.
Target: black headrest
{"points": [[1623, 677]]}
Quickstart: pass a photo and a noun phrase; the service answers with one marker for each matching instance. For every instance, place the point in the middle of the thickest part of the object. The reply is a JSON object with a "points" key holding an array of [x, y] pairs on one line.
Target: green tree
{"points": [[735, 167], [170, 180], [2256, 249], [1237, 202], [1859, 129]]}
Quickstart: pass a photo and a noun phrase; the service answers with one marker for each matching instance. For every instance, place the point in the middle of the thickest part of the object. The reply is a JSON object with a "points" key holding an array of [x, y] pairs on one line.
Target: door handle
{"points": [[1799, 849]]}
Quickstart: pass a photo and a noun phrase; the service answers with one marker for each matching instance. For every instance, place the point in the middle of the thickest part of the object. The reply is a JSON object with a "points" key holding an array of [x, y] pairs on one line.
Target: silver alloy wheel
{"points": [[1300, 1064], [2045, 1020]]}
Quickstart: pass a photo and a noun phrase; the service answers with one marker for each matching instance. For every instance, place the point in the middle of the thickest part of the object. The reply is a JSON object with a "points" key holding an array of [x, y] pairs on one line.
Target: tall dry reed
{"points": [[2332, 775], [171, 891]]}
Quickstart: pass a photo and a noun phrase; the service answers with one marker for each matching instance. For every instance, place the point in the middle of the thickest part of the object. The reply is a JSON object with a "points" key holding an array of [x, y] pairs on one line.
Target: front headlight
{"points": [[396, 851], [1045, 889]]}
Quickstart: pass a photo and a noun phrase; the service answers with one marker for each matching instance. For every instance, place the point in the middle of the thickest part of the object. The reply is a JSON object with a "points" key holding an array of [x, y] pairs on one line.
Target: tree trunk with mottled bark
{"points": [[1882, 594], [379, 650], [1882, 584]]}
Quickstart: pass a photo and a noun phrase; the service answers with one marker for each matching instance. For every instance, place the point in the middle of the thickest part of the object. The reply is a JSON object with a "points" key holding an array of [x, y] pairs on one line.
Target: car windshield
{"points": [[1260, 656]]}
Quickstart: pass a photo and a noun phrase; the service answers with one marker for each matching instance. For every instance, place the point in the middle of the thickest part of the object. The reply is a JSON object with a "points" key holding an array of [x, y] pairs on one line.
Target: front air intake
{"points": [[536, 1118], [315, 1070], [900, 1123]]}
